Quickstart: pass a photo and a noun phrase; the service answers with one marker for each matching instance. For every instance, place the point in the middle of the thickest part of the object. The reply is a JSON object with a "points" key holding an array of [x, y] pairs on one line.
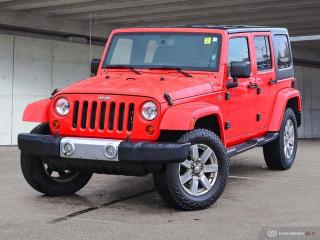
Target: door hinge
{"points": [[271, 82], [228, 96], [259, 90]]}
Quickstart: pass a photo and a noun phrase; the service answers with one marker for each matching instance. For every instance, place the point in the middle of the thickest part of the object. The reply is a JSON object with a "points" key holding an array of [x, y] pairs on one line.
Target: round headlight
{"points": [[149, 110], [62, 106]]}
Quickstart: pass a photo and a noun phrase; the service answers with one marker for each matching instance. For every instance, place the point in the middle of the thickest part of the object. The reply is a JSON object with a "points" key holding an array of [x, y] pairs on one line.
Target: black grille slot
{"points": [[111, 115], [93, 115], [75, 114], [130, 117], [102, 115], [121, 116], [84, 114]]}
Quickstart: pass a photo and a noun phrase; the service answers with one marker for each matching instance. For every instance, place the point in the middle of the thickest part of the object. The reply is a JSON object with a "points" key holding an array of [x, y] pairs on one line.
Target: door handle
{"points": [[253, 85], [271, 82]]}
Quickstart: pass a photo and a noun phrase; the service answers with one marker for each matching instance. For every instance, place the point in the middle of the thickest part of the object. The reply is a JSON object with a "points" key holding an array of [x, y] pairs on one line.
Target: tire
{"points": [[169, 181], [37, 175], [277, 155]]}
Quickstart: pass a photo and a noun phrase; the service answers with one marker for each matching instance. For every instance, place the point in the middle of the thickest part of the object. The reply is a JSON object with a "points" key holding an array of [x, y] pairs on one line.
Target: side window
{"points": [[238, 50], [282, 51], [263, 53]]}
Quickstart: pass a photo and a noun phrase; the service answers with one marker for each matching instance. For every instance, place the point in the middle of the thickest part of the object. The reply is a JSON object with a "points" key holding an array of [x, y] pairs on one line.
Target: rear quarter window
{"points": [[282, 51]]}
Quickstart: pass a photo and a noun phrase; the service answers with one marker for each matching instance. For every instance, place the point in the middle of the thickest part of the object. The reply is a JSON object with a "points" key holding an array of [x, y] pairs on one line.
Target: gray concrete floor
{"points": [[116, 207]]}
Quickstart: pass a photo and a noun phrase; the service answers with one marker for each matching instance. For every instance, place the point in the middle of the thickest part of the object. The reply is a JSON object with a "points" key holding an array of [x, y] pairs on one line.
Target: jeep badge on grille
{"points": [[104, 98]]}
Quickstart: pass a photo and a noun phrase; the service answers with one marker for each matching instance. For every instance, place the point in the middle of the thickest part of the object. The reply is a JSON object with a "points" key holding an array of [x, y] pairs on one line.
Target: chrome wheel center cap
{"points": [[197, 169]]}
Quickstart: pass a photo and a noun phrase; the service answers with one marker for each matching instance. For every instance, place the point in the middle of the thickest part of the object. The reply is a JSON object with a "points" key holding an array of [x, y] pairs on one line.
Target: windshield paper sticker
{"points": [[207, 40]]}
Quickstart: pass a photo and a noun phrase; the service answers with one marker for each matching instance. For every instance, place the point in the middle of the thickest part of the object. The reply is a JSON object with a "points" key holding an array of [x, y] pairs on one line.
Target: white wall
{"points": [[30, 69], [6, 76]]}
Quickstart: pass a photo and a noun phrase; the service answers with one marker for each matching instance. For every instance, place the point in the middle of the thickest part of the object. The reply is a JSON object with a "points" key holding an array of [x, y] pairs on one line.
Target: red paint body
{"points": [[200, 96], [37, 111]]}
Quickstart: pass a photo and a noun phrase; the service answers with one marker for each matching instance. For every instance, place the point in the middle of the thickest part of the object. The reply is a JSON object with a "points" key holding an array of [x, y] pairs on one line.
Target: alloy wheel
{"points": [[289, 139], [199, 172]]}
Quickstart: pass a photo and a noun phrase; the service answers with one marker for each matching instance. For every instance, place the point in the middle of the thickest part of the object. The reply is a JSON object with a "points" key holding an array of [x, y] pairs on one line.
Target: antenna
{"points": [[90, 38]]}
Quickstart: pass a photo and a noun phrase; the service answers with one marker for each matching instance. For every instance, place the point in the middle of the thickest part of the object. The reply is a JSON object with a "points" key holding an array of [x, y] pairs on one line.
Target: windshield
{"points": [[170, 50]]}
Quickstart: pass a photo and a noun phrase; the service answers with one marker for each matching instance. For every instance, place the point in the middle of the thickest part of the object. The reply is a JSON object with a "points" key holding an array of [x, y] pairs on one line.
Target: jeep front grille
{"points": [[103, 115]]}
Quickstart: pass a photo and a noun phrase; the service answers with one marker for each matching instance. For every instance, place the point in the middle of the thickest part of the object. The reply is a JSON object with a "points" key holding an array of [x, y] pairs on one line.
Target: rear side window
{"points": [[263, 53], [282, 51]]}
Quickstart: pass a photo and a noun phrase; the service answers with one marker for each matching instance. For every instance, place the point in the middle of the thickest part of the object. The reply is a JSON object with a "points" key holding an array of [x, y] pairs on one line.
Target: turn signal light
{"points": [[56, 124], [150, 129]]}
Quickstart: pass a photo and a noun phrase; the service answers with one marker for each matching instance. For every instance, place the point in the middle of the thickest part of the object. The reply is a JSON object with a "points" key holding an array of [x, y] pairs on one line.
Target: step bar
{"points": [[256, 142]]}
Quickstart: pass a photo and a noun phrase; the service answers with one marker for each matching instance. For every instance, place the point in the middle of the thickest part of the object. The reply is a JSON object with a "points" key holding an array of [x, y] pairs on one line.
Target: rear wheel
{"points": [[199, 181], [280, 154], [48, 180]]}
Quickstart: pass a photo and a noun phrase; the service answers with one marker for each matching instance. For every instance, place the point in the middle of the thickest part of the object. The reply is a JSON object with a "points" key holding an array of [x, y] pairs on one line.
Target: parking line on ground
{"points": [[251, 178], [77, 213]]}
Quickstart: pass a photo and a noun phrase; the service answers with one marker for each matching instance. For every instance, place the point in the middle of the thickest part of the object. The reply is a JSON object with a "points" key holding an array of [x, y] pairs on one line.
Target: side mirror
{"points": [[95, 65], [240, 70]]}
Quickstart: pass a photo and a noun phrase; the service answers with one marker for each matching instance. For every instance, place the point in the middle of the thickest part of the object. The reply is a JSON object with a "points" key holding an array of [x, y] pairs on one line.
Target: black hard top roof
{"points": [[242, 28], [234, 28]]}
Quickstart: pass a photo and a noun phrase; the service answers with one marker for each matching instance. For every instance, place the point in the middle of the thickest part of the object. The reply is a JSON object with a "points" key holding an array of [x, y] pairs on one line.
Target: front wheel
{"points": [[280, 154], [199, 181], [48, 180]]}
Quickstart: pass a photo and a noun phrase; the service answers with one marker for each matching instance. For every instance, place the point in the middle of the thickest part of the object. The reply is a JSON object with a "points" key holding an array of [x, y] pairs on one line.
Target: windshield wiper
{"points": [[173, 68], [124, 67]]}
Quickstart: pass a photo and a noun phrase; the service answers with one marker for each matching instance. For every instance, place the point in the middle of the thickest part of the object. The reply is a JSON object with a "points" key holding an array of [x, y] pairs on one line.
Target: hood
{"points": [[148, 85]]}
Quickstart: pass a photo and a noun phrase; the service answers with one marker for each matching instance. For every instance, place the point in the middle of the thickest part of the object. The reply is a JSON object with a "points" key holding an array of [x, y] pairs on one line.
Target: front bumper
{"points": [[47, 146]]}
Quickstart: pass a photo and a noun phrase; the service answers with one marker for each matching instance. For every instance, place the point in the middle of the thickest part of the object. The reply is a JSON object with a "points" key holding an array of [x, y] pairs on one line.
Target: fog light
{"points": [[150, 129], [110, 151], [68, 149], [56, 124]]}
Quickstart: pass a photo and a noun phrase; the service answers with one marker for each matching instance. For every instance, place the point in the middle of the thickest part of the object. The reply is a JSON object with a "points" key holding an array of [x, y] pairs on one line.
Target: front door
{"points": [[240, 108]]}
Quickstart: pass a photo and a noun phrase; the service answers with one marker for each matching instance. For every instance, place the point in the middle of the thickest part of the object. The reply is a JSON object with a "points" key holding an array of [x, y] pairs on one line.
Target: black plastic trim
{"points": [[39, 145], [168, 99], [256, 142], [153, 152], [48, 146]]}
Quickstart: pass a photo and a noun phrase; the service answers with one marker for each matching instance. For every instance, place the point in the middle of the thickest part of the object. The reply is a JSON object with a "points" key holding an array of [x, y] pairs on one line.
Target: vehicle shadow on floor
{"points": [[138, 194]]}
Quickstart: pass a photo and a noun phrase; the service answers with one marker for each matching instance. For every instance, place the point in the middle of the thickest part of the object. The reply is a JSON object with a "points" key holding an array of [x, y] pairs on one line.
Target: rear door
{"points": [[239, 110], [264, 70]]}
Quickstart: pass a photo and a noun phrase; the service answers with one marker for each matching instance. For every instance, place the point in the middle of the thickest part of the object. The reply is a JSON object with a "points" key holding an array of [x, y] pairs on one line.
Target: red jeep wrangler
{"points": [[176, 102]]}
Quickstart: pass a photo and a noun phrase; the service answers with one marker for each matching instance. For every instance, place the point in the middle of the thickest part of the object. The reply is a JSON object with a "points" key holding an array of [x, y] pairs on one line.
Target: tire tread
{"points": [[170, 190]]}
